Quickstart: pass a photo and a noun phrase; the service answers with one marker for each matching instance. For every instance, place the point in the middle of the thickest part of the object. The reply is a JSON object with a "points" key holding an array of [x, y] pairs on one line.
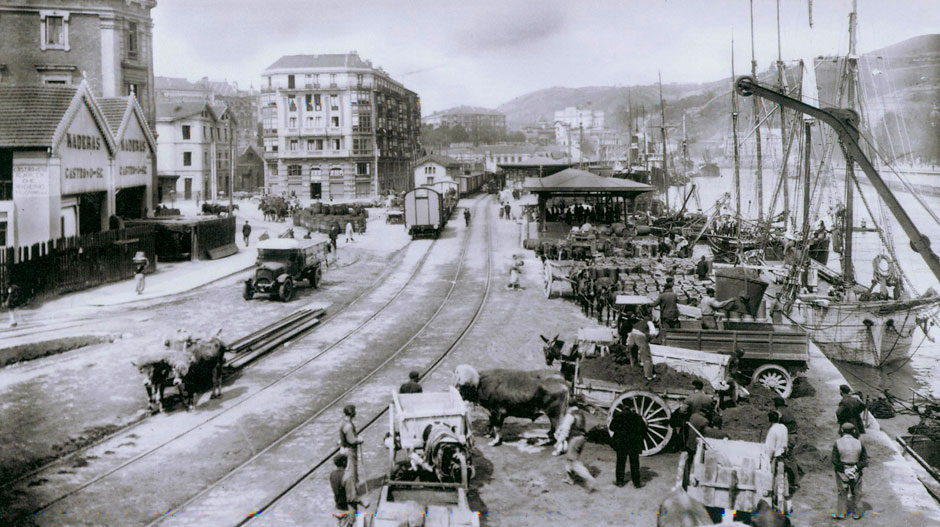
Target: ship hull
{"points": [[870, 333]]}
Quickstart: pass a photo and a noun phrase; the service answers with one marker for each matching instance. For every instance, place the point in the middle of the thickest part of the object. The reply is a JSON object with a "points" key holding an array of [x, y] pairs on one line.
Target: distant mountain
{"points": [[900, 94]]}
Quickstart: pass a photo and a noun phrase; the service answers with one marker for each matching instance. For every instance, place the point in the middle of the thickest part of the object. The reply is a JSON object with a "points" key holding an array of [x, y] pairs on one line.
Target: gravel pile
{"points": [[610, 370]]}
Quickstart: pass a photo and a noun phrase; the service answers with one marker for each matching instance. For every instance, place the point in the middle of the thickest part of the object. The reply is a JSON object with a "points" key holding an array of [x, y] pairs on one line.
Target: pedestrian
{"points": [[668, 304], [775, 445], [349, 232], [788, 420], [515, 269], [140, 265], [850, 410], [349, 441], [345, 510], [701, 269], [246, 232], [629, 431], [412, 386], [733, 377], [694, 427], [11, 302], [699, 401], [640, 337], [574, 424], [848, 460], [506, 210], [466, 216], [334, 233]]}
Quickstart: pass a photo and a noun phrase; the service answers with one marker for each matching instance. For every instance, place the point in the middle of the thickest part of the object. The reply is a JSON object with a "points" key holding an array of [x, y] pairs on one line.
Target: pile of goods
{"points": [[881, 408], [610, 369], [748, 421], [320, 217], [926, 427]]}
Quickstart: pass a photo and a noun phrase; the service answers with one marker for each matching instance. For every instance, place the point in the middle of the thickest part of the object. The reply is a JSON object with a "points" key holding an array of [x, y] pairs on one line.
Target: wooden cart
{"points": [[733, 476], [653, 402], [409, 418]]}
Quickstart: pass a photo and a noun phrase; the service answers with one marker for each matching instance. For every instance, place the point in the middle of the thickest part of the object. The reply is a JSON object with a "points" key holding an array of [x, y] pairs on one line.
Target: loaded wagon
{"points": [[654, 402], [733, 476], [425, 212]]}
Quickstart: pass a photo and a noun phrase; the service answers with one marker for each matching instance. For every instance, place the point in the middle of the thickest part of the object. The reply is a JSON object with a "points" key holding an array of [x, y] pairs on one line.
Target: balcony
{"points": [[312, 86], [268, 89], [333, 86]]}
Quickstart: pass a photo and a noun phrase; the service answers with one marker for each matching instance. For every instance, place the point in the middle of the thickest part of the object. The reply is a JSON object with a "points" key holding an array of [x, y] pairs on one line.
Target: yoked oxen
{"points": [[514, 393], [202, 363], [157, 375]]}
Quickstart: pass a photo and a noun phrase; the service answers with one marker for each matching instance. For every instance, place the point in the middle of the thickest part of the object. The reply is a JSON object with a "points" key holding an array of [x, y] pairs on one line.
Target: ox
{"points": [[203, 363], [514, 393], [157, 374], [681, 510]]}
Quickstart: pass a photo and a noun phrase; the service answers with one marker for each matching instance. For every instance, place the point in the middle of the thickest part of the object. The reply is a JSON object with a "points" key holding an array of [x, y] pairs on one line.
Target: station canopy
{"points": [[540, 164], [576, 182]]}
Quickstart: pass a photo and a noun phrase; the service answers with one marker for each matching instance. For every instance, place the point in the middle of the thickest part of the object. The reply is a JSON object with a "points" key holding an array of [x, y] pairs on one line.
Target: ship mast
{"points": [[760, 177], [662, 109], [783, 126], [734, 140], [848, 273]]}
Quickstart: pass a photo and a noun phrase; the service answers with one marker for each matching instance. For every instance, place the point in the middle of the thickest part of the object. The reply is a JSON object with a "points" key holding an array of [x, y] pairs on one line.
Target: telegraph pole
{"points": [[783, 126], [848, 273], [734, 139], [760, 177]]}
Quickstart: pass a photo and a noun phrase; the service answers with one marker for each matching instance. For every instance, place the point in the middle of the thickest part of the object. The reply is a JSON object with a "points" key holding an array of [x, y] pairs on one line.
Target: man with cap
{"points": [[640, 337], [775, 445], [789, 421], [345, 508], [710, 307], [668, 304], [848, 460], [412, 386], [349, 441], [701, 269], [850, 409], [628, 432], [246, 232]]}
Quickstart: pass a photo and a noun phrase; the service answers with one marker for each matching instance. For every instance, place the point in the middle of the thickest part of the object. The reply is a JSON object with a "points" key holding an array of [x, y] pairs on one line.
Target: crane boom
{"points": [[845, 124]]}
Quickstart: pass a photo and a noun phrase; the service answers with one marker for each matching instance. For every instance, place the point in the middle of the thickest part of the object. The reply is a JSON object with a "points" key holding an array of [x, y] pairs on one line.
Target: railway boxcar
{"points": [[425, 212]]}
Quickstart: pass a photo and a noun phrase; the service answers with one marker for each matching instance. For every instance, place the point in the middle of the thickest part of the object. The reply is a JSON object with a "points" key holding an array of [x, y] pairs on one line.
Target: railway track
{"points": [[247, 350], [227, 488]]}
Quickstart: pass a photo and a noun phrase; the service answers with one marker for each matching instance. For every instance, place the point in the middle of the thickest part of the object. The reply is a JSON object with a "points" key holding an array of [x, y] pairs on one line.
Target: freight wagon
{"points": [[426, 212]]}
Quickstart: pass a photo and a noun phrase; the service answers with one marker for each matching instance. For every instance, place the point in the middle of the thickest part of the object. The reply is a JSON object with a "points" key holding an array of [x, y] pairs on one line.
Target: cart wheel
{"points": [[315, 277], [654, 411], [780, 489], [464, 472], [548, 286], [775, 378]]}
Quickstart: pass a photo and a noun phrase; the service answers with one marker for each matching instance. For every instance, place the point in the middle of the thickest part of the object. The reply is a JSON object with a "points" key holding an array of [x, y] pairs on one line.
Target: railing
{"points": [[312, 86]]}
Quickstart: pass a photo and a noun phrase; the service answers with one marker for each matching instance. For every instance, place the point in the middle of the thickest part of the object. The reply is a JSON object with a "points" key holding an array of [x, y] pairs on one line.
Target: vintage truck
{"points": [[282, 262]]}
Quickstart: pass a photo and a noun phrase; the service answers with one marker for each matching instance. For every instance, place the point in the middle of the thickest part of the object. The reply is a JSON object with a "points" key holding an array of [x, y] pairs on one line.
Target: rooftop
{"points": [[439, 159], [30, 114], [331, 60], [113, 109], [171, 111], [467, 110], [576, 181]]}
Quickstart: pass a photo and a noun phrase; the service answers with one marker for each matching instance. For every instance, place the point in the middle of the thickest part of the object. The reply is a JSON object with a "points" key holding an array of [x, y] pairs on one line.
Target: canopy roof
{"points": [[573, 181]]}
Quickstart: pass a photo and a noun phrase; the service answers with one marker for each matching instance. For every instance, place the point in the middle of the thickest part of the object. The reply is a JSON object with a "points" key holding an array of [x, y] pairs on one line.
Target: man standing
{"points": [[789, 421], [349, 441], [629, 430], [11, 302], [850, 410], [246, 232], [776, 443], [345, 510], [466, 216], [848, 459], [349, 232], [640, 337], [574, 423], [140, 265], [710, 307], [334, 233], [668, 304], [701, 269], [412, 386]]}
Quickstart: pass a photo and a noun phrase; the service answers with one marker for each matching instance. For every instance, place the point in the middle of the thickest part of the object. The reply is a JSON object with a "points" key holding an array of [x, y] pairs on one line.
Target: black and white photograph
{"points": [[498, 263]]}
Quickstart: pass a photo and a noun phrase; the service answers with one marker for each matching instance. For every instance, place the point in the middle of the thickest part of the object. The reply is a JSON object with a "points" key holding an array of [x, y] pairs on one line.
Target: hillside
{"points": [[903, 77]]}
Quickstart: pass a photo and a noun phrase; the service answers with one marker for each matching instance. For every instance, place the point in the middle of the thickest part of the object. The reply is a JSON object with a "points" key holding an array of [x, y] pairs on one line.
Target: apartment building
{"points": [[471, 118], [242, 103], [336, 127]]}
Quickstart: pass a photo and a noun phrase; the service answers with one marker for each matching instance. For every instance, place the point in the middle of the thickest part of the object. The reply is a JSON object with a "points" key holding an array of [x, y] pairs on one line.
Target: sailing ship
{"points": [[852, 323]]}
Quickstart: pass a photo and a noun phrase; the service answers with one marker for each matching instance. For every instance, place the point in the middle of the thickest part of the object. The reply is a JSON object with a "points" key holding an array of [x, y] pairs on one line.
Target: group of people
{"points": [[578, 213]]}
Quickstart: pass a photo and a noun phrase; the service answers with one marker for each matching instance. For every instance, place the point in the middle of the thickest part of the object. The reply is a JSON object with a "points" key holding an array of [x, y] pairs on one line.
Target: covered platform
{"points": [[612, 194]]}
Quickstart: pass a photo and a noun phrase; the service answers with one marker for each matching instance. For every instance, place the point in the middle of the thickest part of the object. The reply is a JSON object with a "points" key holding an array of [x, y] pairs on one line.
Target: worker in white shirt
{"points": [[776, 443]]}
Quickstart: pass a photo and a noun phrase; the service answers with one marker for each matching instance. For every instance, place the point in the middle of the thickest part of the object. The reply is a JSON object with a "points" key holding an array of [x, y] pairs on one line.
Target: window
{"points": [[54, 30], [333, 80], [317, 103], [319, 144], [293, 145], [205, 158], [56, 79], [308, 102], [293, 170], [132, 40], [334, 121], [362, 169], [186, 131], [334, 102], [290, 82], [430, 179], [310, 145], [338, 144], [359, 80], [309, 122], [292, 103], [3, 229], [187, 159], [316, 79], [319, 121], [292, 123]]}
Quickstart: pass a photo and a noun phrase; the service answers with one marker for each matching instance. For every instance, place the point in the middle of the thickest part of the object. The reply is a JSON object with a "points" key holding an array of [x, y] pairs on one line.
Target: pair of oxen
{"points": [[186, 363]]}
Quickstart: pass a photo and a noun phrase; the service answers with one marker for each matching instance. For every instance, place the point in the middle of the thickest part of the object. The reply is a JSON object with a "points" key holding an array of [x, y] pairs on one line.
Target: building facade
{"points": [[194, 150], [249, 172], [471, 118], [336, 127], [68, 164], [435, 169], [242, 103], [572, 122]]}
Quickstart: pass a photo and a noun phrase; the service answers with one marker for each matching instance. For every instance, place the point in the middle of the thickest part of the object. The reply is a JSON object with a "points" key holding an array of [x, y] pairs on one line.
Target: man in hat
{"points": [[246, 232], [412, 386], [668, 304], [629, 431], [701, 269], [640, 337], [710, 308], [140, 265], [575, 425], [349, 441], [850, 410], [848, 460]]}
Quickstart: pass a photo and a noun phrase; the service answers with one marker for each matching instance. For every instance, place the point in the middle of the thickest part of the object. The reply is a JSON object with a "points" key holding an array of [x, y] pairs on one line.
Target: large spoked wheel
{"points": [[286, 291], [314, 276], [548, 283], [654, 411], [775, 378]]}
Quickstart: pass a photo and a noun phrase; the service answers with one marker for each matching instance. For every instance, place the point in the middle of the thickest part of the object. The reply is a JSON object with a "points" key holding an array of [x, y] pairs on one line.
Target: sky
{"points": [[487, 52]]}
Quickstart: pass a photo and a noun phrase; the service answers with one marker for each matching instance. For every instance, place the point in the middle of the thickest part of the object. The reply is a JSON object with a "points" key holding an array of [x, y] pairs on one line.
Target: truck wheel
{"points": [[248, 293], [315, 277], [774, 377], [286, 291]]}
